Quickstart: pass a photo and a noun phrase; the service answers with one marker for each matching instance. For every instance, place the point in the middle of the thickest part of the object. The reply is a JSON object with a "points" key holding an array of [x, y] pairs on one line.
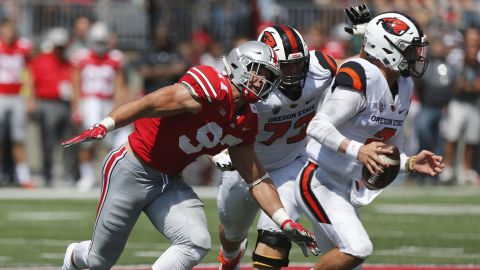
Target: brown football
{"points": [[381, 180]]}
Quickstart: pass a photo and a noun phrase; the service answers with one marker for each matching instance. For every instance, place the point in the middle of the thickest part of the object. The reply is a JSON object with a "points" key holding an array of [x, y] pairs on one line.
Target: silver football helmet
{"points": [[398, 42], [253, 68]]}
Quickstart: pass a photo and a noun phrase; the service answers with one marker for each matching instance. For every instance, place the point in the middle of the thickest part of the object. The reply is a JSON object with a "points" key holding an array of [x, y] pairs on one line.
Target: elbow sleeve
{"points": [[323, 131]]}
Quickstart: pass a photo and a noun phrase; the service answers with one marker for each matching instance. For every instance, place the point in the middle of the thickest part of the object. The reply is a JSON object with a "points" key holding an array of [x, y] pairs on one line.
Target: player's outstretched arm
{"points": [[164, 102], [245, 160]]}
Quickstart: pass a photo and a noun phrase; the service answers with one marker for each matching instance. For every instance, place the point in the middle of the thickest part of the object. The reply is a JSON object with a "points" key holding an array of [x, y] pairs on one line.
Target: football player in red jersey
{"points": [[204, 113], [98, 84], [15, 53]]}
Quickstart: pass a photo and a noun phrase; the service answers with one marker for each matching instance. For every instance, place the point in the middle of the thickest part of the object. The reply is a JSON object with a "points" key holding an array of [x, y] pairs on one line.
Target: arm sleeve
{"points": [[343, 104]]}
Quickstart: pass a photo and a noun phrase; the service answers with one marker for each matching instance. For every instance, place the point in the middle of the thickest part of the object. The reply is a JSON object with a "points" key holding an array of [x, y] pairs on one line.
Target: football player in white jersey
{"points": [[280, 145], [364, 109]]}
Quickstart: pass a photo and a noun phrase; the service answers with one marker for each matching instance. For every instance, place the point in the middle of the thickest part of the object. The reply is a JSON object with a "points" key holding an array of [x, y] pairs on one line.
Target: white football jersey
{"points": [[381, 120], [283, 122]]}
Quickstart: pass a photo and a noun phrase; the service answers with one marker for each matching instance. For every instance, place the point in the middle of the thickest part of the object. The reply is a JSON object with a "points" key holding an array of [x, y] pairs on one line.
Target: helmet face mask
{"points": [[292, 53], [253, 68], [294, 71], [398, 42]]}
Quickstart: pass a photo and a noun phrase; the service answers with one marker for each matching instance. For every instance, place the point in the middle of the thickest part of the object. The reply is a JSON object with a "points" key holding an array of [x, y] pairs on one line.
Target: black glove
{"points": [[359, 16]]}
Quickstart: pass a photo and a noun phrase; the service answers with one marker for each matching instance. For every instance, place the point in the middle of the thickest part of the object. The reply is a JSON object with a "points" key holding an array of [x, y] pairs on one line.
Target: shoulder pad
{"points": [[351, 74], [327, 62], [204, 82]]}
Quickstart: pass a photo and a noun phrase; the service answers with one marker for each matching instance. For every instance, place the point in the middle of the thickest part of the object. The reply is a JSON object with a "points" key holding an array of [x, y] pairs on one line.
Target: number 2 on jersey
{"points": [[280, 129], [382, 136]]}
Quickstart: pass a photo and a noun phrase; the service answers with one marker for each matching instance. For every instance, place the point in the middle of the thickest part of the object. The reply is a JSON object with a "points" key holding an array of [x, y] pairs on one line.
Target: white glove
{"points": [[360, 195], [223, 162]]}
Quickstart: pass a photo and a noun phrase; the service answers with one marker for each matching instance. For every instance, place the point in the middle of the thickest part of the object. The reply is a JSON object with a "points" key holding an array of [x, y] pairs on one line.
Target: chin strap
{"points": [[405, 73]]}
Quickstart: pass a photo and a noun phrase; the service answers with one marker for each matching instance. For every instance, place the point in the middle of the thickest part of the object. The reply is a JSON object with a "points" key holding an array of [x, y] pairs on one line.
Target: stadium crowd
{"points": [[45, 84]]}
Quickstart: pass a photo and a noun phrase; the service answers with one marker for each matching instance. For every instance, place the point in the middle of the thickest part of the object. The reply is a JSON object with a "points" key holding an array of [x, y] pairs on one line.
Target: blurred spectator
{"points": [[52, 92], [212, 56], [81, 27], [201, 41], [98, 83], [315, 37], [434, 91], [238, 40], [463, 120], [162, 64], [14, 54], [338, 46]]}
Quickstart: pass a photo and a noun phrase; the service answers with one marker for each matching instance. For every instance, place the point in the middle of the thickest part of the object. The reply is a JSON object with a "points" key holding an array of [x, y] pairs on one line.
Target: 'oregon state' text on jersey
{"points": [[381, 120], [283, 122], [171, 143]]}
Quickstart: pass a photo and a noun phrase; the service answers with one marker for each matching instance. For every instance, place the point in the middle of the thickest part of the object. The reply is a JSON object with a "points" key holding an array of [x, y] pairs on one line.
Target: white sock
{"points": [[86, 170], [80, 254], [23, 172]]}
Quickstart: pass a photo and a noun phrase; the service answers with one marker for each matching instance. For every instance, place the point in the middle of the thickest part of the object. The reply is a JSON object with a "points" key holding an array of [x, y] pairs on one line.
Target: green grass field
{"points": [[427, 225]]}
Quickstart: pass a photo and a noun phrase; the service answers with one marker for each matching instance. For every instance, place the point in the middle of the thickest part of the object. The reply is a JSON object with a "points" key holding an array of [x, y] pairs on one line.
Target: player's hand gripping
{"points": [[97, 132], [223, 162], [296, 233], [359, 16], [368, 155]]}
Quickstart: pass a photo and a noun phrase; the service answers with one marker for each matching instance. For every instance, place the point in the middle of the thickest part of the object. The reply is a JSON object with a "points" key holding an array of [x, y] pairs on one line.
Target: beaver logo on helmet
{"points": [[394, 26], [268, 39]]}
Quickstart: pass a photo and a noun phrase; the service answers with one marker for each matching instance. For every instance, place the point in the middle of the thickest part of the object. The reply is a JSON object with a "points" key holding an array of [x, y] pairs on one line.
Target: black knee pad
{"points": [[273, 239]]}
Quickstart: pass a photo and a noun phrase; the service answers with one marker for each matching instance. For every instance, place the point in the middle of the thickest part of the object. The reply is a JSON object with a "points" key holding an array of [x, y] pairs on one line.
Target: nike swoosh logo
{"points": [[310, 100], [401, 111], [245, 129]]}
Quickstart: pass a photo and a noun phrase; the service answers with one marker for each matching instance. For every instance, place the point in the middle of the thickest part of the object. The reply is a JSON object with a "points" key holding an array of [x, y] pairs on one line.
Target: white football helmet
{"points": [[292, 52], [98, 37], [253, 68], [58, 37], [398, 42]]}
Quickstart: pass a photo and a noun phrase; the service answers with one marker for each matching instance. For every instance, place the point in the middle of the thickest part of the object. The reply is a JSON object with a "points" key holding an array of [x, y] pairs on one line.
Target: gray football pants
{"points": [[130, 187]]}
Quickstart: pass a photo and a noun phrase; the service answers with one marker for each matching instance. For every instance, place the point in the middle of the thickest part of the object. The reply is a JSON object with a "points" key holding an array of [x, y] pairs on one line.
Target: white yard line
{"points": [[430, 252], [74, 194], [211, 192], [428, 209]]}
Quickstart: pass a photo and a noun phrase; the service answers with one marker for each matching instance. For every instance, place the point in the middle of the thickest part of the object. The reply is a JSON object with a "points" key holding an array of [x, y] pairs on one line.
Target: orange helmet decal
{"points": [[394, 26], [268, 39]]}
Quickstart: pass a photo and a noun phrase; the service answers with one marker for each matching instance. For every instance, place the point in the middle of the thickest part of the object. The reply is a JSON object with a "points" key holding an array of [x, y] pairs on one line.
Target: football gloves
{"points": [[359, 16], [296, 233], [97, 132], [223, 162]]}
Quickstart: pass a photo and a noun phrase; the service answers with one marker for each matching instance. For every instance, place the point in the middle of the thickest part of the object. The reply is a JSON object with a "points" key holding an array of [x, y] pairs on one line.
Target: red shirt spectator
{"points": [[52, 77]]}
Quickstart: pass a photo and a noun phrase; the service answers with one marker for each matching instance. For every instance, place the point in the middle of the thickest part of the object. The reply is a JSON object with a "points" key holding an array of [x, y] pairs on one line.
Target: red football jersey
{"points": [[98, 72], [171, 143], [13, 59]]}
